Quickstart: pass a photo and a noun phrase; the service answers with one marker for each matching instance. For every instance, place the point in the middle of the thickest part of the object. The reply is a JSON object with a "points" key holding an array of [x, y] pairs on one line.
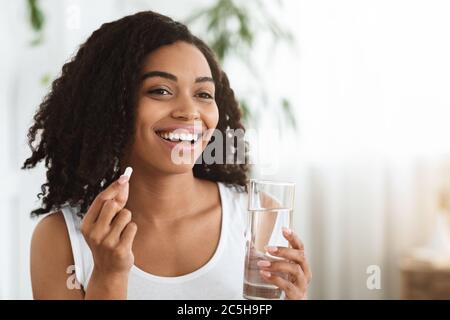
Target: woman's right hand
{"points": [[109, 232]]}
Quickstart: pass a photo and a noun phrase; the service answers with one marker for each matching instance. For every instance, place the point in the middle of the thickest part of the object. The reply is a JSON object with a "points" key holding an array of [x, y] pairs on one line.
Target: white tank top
{"points": [[220, 278]]}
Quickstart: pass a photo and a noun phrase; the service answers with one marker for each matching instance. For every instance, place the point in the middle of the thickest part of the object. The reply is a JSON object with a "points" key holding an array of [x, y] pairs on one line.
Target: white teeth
{"points": [[177, 137], [188, 136]]}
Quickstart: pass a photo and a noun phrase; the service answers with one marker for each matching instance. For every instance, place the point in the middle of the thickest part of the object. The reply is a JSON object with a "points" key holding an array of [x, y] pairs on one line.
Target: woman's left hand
{"points": [[295, 265]]}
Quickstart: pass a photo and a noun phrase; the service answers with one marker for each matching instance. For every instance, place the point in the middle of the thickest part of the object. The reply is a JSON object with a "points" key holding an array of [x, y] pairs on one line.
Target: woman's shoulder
{"points": [[50, 227], [52, 230]]}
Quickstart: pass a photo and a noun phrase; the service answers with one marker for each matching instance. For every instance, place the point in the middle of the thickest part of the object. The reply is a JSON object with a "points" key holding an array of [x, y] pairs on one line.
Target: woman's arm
{"points": [[51, 259], [52, 267]]}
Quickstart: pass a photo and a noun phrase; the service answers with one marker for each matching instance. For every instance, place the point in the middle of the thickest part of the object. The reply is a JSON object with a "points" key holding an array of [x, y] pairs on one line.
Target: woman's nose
{"points": [[186, 111]]}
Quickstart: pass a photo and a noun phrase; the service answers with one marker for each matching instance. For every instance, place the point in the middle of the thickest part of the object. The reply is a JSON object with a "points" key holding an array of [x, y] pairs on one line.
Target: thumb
{"points": [[122, 194]]}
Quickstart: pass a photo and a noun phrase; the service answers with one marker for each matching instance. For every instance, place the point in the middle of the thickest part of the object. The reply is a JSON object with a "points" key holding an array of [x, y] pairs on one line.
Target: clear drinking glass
{"points": [[270, 208]]}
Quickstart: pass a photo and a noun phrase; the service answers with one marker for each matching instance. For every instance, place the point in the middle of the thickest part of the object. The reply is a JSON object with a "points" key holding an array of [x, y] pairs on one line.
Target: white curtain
{"points": [[371, 155]]}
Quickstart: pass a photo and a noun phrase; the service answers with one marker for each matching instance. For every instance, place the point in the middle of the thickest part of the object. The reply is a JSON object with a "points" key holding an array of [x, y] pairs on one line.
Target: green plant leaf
{"points": [[246, 35], [36, 15], [288, 113], [45, 79], [222, 45]]}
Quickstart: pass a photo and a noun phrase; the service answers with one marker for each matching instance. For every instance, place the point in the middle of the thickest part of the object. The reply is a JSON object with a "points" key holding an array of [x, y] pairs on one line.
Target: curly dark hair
{"points": [[82, 155]]}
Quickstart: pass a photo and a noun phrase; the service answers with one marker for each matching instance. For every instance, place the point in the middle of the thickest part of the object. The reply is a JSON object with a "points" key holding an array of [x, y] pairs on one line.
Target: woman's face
{"points": [[175, 107]]}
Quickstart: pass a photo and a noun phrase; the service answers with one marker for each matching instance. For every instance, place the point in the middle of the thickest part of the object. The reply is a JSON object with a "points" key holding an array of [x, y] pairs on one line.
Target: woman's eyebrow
{"points": [[163, 74], [160, 74], [204, 79]]}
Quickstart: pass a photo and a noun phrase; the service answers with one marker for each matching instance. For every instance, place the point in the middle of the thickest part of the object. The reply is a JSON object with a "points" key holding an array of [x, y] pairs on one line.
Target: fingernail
{"points": [[287, 231], [263, 263], [126, 175], [271, 249], [265, 273]]}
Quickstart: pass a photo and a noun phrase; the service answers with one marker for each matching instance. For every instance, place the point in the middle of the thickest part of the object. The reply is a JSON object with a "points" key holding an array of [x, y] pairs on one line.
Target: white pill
{"points": [[128, 172]]}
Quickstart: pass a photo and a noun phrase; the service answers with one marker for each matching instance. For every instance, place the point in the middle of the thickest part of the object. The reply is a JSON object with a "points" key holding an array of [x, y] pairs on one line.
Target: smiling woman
{"points": [[139, 93]]}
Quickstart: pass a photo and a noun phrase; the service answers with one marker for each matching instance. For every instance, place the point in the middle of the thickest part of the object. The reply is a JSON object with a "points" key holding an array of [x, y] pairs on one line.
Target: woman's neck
{"points": [[162, 198]]}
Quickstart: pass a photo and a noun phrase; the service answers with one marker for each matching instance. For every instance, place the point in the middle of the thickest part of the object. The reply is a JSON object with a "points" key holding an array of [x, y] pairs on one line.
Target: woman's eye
{"points": [[160, 91], [205, 95]]}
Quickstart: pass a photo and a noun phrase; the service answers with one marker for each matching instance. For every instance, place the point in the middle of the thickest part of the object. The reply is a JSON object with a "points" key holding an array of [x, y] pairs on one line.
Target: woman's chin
{"points": [[178, 159], [178, 168]]}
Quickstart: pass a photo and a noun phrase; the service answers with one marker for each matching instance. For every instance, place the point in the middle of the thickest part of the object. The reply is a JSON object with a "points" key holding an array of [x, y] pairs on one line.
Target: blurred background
{"points": [[351, 99]]}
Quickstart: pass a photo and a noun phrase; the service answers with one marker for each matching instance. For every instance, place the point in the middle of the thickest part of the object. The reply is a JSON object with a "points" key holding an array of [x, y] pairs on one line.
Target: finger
{"points": [[286, 253], [294, 255], [103, 224], [120, 222], [293, 269], [122, 196], [128, 234], [112, 191], [306, 269], [293, 239], [292, 292], [117, 193], [110, 209]]}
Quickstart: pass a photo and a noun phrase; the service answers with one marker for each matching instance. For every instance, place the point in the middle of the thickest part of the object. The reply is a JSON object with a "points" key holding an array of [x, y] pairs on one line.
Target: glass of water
{"points": [[270, 208]]}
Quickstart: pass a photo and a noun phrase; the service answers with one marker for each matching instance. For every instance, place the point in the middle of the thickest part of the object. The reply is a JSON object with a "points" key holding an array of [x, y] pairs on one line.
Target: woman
{"points": [[143, 92]]}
